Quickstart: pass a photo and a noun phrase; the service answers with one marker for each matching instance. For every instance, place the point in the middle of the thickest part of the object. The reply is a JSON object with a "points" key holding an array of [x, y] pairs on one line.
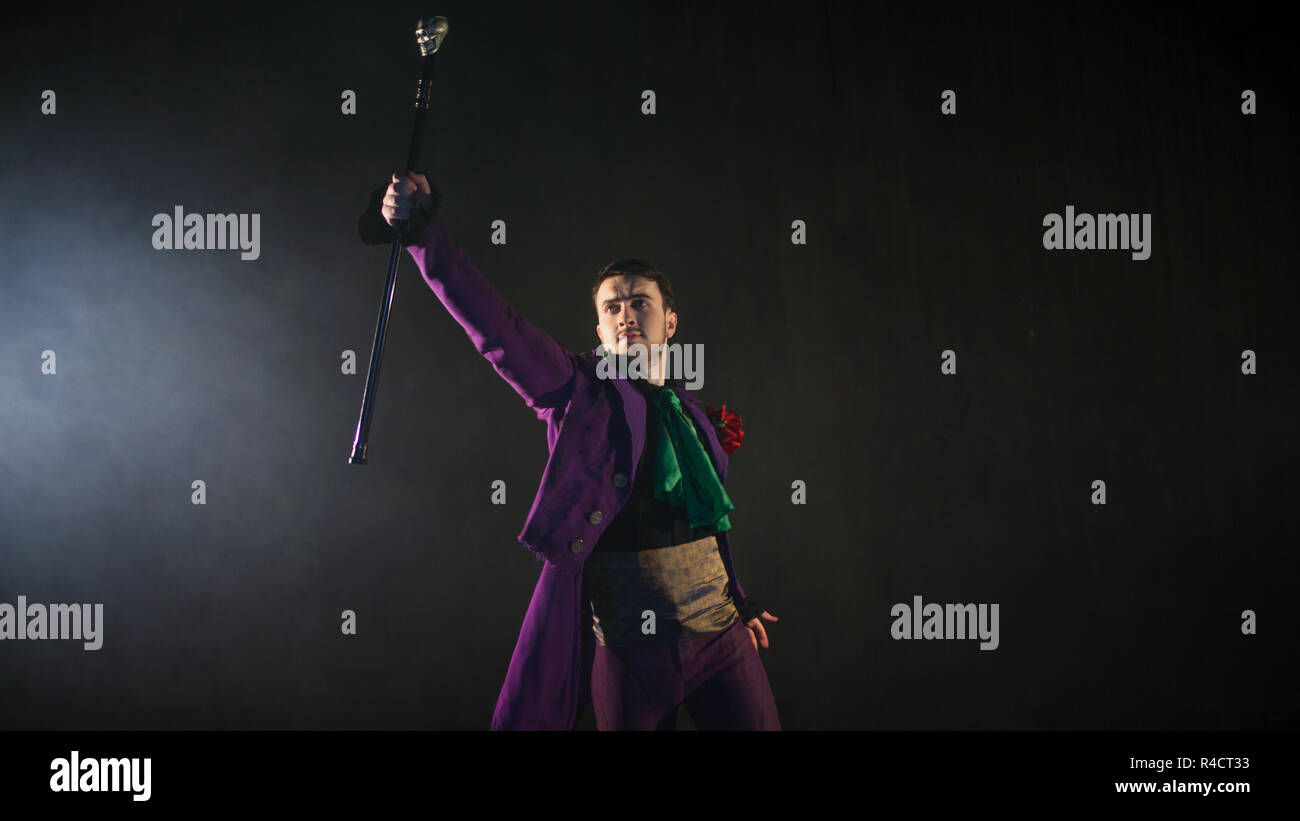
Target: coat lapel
{"points": [[634, 411], [633, 414], [701, 416]]}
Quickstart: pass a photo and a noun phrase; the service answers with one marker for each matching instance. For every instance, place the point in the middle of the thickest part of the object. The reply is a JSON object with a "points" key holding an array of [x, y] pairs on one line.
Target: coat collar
{"points": [[634, 407]]}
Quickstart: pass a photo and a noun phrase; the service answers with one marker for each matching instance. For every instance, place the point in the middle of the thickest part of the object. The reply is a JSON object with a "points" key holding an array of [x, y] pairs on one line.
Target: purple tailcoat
{"points": [[595, 429]]}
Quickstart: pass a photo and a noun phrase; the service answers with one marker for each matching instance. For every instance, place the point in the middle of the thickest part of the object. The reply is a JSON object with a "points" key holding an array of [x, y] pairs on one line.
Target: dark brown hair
{"points": [[636, 267]]}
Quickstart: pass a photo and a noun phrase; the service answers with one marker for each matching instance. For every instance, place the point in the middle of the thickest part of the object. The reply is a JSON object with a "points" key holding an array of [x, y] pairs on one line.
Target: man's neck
{"points": [[658, 371], [658, 365]]}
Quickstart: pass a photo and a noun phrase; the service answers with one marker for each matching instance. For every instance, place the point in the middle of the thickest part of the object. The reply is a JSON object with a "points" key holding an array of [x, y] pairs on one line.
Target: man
{"points": [[638, 608]]}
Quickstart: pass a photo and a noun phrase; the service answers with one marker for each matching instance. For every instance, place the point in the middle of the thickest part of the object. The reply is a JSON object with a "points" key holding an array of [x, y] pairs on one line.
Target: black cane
{"points": [[429, 34]]}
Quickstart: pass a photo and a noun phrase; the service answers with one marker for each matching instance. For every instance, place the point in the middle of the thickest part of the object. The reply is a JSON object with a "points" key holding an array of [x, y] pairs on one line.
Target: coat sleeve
{"points": [[537, 367], [724, 550], [746, 606]]}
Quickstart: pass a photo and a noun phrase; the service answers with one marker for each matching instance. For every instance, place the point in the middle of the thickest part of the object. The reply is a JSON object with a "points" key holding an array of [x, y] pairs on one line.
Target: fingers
{"points": [[751, 638], [769, 616], [395, 209], [399, 200], [402, 185], [413, 181], [398, 204], [406, 193], [762, 634]]}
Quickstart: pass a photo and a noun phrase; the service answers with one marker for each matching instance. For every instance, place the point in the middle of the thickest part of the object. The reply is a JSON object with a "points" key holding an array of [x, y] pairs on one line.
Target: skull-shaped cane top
{"points": [[429, 33]]}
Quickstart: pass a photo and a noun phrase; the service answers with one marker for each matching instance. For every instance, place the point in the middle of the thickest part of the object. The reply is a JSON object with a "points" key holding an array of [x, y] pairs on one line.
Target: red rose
{"points": [[730, 433]]}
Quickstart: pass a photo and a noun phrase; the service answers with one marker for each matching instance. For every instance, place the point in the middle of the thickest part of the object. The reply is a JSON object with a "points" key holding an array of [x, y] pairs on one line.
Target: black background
{"points": [[924, 234]]}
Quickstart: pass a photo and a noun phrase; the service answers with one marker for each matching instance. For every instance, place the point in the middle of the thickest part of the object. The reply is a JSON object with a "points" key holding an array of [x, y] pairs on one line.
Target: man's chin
{"points": [[637, 346]]}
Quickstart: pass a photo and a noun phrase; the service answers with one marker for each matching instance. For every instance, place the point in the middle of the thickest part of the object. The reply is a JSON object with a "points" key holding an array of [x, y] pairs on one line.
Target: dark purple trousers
{"points": [[719, 677]]}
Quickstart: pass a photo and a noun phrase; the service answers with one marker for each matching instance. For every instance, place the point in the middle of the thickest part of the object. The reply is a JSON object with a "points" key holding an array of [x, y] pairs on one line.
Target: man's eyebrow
{"points": [[620, 299]]}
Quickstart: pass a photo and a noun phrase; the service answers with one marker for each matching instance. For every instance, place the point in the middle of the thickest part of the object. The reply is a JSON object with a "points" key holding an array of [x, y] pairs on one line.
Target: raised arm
{"points": [[530, 360]]}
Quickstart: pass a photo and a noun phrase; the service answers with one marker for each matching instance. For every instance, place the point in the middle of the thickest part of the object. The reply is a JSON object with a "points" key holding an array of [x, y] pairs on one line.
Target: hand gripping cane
{"points": [[429, 34]]}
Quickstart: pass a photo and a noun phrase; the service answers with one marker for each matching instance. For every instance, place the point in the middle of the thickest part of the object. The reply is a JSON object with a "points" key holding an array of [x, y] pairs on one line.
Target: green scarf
{"points": [[684, 476]]}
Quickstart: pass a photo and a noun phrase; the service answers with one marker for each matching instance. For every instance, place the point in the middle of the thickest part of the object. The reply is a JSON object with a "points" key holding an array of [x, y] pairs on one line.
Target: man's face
{"points": [[630, 310]]}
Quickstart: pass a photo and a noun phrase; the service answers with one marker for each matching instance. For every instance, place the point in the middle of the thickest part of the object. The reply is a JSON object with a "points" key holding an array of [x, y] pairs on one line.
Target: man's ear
{"points": [[670, 322]]}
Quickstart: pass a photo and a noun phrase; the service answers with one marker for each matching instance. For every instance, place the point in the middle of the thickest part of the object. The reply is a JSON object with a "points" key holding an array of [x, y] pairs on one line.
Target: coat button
{"points": [[575, 546], [619, 480], [595, 517]]}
